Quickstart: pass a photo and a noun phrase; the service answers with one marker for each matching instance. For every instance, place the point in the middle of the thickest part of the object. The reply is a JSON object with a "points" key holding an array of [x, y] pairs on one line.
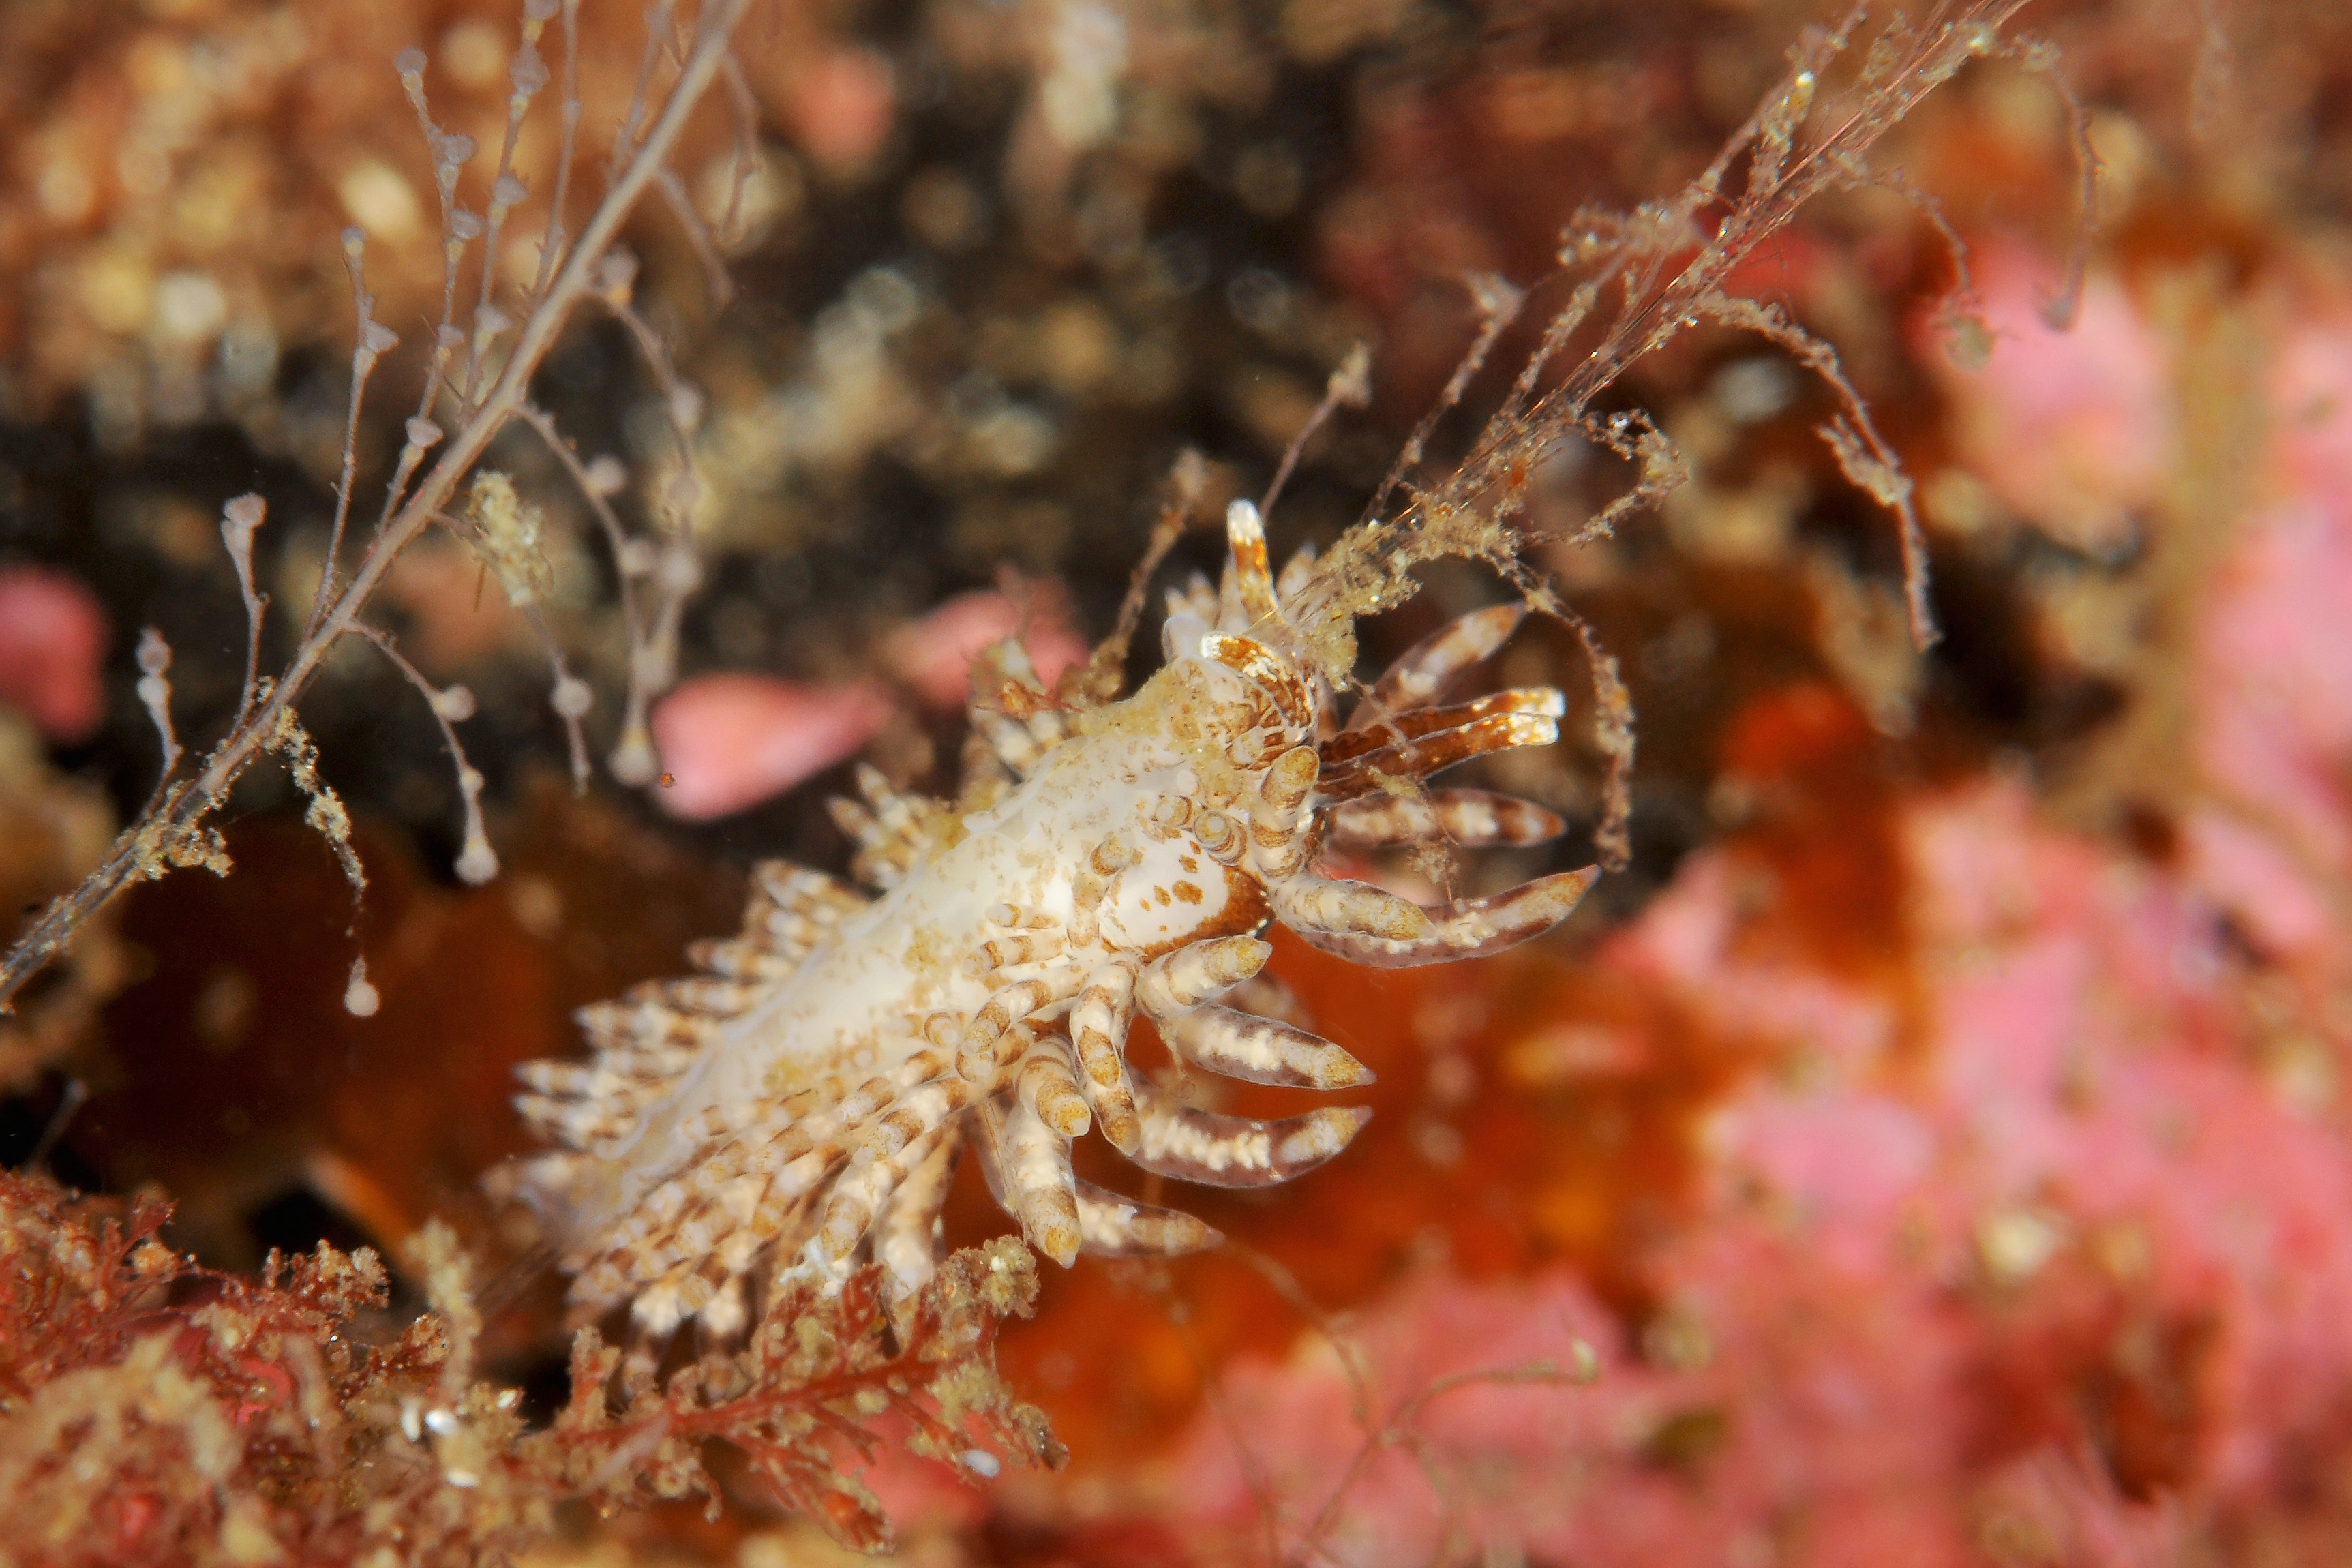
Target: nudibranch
{"points": [[802, 1104]]}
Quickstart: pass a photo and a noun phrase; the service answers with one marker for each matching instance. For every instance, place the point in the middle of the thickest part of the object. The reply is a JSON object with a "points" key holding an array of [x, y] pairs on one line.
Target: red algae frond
{"points": [[154, 1412]]}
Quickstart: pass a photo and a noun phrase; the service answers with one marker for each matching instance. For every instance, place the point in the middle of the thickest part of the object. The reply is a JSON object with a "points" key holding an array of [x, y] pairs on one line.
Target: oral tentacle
{"points": [[1248, 577]]}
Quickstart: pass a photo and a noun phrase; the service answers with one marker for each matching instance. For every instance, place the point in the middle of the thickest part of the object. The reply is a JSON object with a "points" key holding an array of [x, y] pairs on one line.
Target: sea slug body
{"points": [[800, 1105]]}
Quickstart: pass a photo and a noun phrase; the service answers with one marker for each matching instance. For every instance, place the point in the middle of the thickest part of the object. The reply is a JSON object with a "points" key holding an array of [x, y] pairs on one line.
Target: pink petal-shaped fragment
{"points": [[729, 742], [934, 655], [842, 106], [52, 642]]}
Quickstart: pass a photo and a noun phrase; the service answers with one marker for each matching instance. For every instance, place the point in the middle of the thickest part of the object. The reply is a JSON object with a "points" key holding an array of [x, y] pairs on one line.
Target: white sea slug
{"points": [[803, 1105]]}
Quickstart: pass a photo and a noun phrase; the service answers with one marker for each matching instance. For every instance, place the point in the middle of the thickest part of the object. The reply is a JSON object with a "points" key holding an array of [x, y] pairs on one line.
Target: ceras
{"points": [[803, 1104]]}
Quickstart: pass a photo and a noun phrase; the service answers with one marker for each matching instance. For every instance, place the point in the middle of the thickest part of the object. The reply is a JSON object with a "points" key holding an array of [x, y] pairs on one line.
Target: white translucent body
{"points": [[859, 1004]]}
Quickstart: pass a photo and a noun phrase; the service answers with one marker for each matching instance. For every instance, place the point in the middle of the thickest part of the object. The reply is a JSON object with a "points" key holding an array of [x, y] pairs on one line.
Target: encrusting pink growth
{"points": [[804, 1102], [2070, 429], [730, 741], [2272, 683], [2048, 1239]]}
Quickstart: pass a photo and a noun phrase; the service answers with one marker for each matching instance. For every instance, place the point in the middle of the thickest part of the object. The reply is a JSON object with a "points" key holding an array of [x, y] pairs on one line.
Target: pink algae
{"points": [[2093, 1248], [2071, 430], [842, 107], [729, 742], [53, 640], [2274, 664]]}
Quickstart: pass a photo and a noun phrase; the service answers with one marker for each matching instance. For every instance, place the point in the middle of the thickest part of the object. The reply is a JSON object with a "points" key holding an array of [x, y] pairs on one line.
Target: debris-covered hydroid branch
{"points": [[480, 396], [1641, 278]]}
